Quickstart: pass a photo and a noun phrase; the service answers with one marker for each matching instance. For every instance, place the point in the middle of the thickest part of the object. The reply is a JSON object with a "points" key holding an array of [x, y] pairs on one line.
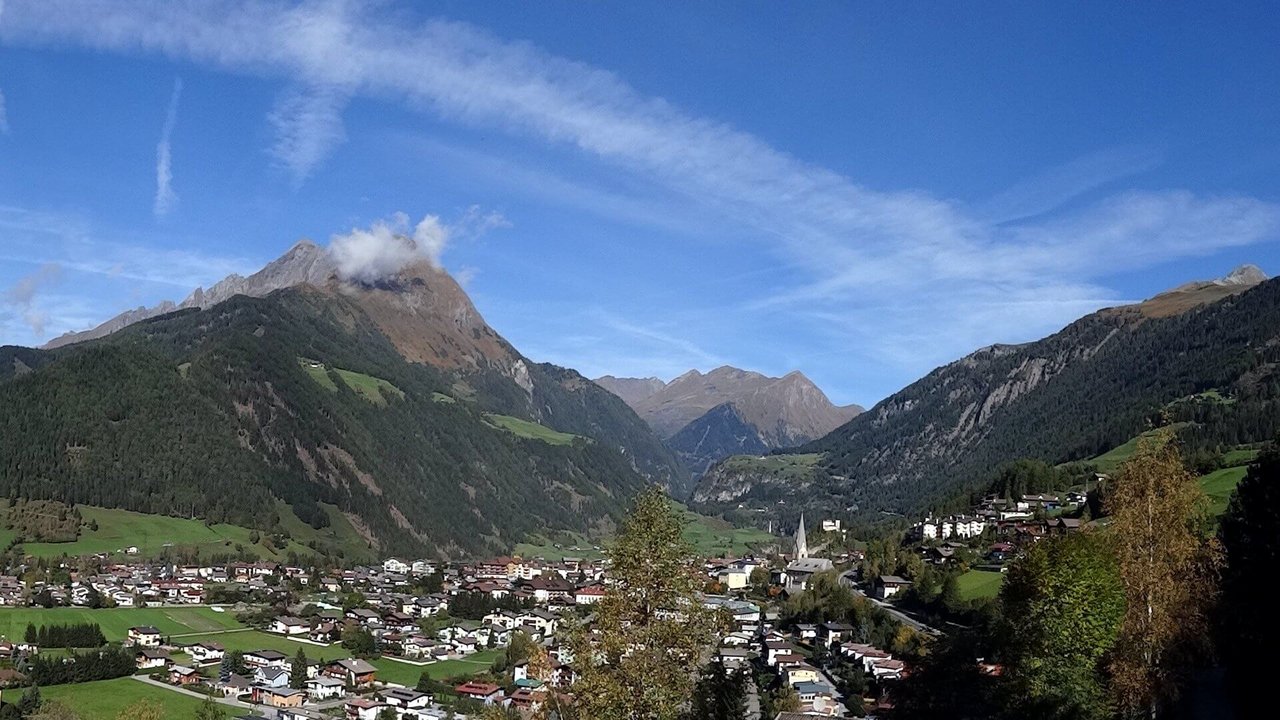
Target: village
{"points": [[420, 639]]}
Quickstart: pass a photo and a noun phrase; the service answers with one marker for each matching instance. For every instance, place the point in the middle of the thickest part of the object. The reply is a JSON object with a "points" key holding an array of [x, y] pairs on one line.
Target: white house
{"points": [[144, 636], [397, 566], [323, 687]]}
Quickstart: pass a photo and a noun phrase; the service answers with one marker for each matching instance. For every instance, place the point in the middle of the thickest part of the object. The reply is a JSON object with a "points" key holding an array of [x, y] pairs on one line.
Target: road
{"points": [[898, 615], [199, 696]]}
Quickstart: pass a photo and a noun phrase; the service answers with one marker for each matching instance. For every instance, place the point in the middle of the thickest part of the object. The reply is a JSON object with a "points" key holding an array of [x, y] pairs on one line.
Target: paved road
{"points": [[898, 615], [199, 696]]}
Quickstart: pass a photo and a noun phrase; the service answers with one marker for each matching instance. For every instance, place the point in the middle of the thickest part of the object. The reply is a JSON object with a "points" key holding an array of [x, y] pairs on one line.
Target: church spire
{"points": [[802, 545]]}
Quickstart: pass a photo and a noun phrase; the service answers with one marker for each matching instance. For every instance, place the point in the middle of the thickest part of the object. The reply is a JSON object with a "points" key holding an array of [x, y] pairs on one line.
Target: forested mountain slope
{"points": [[1073, 395], [314, 395]]}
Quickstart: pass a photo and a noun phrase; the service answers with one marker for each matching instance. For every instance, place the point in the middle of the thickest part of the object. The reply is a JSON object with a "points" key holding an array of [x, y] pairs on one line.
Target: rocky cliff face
{"points": [[1070, 396], [707, 417], [304, 263]]}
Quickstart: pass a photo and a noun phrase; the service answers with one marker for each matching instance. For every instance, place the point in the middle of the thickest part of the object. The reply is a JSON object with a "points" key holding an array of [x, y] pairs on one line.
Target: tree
{"points": [[1157, 510], [719, 695], [759, 578], [359, 641], [1250, 535], [651, 627], [210, 710], [298, 671], [142, 710], [1062, 605], [29, 701], [389, 713], [233, 662], [54, 710]]}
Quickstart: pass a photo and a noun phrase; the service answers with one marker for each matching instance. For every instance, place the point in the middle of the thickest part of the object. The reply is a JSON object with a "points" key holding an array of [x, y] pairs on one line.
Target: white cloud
{"points": [[165, 197], [857, 247], [308, 125], [388, 246], [23, 295]]}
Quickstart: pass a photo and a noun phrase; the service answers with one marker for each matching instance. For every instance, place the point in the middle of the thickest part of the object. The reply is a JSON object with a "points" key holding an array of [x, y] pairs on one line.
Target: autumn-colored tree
{"points": [[651, 632], [54, 710], [142, 710], [1157, 513]]}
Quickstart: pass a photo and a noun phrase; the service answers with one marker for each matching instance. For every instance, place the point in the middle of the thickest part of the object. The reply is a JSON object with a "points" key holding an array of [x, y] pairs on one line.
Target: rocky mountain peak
{"points": [[1246, 274]]}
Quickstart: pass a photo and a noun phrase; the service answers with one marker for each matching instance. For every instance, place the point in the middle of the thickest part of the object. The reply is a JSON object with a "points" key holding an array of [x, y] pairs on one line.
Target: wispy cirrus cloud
{"points": [[165, 196], [308, 125], [935, 261]]}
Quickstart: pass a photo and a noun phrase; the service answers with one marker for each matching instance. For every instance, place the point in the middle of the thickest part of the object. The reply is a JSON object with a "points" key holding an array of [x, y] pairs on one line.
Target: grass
{"points": [[709, 536], [531, 430], [406, 674], [442, 398], [795, 467], [152, 534], [976, 584], [120, 529], [1110, 461], [373, 389], [115, 622], [107, 699], [1242, 455], [1219, 485]]}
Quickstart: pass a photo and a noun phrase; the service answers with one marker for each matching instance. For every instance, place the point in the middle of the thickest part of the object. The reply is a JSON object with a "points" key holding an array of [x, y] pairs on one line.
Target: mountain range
{"points": [[388, 404], [1202, 358], [727, 411]]}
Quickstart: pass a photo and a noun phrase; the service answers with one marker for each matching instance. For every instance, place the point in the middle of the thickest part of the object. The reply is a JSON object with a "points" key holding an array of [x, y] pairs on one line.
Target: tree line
{"points": [[77, 635]]}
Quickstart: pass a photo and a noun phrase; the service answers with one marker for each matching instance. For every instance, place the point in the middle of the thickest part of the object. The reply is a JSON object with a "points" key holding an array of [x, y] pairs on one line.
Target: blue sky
{"points": [[858, 192]]}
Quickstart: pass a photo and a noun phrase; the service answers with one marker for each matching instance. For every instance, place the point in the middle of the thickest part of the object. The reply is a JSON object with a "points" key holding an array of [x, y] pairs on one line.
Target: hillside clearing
{"points": [[107, 699], [530, 430], [976, 584]]}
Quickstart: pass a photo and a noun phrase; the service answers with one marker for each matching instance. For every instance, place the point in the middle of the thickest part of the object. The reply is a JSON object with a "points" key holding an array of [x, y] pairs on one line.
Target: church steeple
{"points": [[802, 545]]}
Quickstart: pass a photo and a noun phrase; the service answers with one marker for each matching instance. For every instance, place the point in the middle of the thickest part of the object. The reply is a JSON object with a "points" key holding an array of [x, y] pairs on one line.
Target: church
{"points": [[803, 567]]}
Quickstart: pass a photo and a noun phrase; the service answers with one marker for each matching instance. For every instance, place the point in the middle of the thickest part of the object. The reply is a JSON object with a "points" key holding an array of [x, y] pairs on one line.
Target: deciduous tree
{"points": [[1165, 567], [651, 630]]}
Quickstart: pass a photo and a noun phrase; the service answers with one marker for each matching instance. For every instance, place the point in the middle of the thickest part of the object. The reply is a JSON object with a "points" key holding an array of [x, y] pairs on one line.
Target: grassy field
{"points": [[1219, 485], [1111, 460], [105, 699], [406, 674], [531, 430], [115, 622], [980, 584], [151, 534], [371, 388], [710, 537]]}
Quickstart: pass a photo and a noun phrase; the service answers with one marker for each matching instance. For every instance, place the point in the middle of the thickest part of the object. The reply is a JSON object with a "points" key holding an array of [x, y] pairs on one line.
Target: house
{"points": [[271, 677], [889, 585], [799, 572], [830, 525], [1063, 526], [835, 631], [182, 675], [206, 652], [361, 709], [589, 595], [486, 693], [403, 699], [290, 626], [279, 697], [265, 658], [144, 636], [352, 671], [233, 686], [801, 674], [397, 566], [147, 658], [323, 687]]}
